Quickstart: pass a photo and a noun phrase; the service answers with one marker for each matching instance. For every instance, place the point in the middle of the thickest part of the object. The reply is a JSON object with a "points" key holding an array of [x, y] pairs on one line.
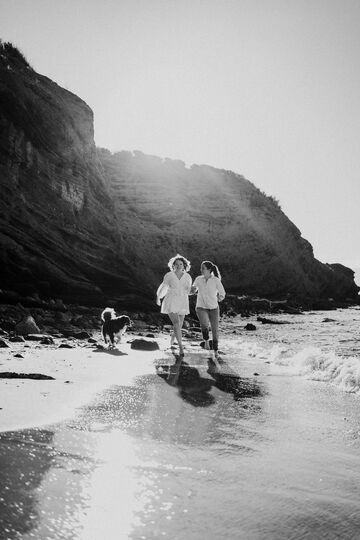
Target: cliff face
{"points": [[57, 231], [86, 225], [207, 213]]}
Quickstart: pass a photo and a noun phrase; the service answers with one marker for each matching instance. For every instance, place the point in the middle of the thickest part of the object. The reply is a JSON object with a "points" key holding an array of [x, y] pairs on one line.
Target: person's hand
{"points": [[158, 301], [220, 297]]}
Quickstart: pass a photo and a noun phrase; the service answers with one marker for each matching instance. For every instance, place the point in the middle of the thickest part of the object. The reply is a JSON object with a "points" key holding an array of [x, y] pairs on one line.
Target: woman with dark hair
{"points": [[210, 292], [175, 290]]}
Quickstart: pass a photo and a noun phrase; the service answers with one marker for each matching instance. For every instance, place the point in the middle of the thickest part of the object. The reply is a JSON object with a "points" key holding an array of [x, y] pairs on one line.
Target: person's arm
{"points": [[194, 287], [163, 289], [188, 284], [220, 290]]}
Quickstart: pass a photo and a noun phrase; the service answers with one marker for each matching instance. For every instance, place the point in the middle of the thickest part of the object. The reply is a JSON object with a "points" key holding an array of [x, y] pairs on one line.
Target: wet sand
{"points": [[79, 374], [164, 447]]}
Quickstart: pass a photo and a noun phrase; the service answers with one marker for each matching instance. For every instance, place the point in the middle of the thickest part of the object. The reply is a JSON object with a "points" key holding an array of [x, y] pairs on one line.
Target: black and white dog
{"points": [[113, 327]]}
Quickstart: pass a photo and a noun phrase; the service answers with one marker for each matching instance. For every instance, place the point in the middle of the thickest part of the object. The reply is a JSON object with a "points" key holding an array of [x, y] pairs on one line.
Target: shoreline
{"points": [[85, 369], [179, 444]]}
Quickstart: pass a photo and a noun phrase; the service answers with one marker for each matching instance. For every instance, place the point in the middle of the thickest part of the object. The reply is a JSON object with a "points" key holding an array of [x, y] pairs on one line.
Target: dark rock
{"points": [[75, 333], [38, 337], [13, 375], [48, 340], [149, 335], [92, 340], [81, 335], [27, 326], [264, 320], [18, 355], [82, 322], [144, 345], [250, 326], [17, 339], [65, 346], [62, 317], [3, 343], [327, 319], [8, 325], [139, 325], [59, 303], [9, 296]]}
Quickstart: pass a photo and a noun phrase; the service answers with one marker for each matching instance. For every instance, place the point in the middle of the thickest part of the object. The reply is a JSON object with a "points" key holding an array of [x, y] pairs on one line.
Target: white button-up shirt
{"points": [[176, 293], [209, 291]]}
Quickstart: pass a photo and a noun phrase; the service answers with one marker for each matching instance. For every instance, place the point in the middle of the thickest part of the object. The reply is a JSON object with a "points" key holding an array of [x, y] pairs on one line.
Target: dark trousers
{"points": [[209, 317]]}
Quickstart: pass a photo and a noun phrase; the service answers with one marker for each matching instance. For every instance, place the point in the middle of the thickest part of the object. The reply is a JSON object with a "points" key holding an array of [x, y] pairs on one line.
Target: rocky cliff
{"points": [[207, 213], [85, 225], [57, 229]]}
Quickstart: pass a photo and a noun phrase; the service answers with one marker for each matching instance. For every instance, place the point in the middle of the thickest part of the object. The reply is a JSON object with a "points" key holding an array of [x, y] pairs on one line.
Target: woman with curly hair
{"points": [[210, 292], [174, 290]]}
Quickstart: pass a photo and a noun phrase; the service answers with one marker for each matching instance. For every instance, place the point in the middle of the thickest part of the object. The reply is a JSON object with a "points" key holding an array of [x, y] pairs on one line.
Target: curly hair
{"points": [[179, 257]]}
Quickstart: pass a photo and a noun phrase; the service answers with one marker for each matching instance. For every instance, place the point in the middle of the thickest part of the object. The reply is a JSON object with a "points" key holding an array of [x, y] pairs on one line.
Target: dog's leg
{"points": [[120, 334]]}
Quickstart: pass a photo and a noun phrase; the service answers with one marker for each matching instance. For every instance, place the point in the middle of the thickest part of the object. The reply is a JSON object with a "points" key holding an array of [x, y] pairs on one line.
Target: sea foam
{"points": [[315, 364]]}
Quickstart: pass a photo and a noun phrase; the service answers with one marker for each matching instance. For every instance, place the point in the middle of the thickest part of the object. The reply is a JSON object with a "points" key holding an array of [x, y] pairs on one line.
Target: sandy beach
{"points": [[79, 373], [131, 444]]}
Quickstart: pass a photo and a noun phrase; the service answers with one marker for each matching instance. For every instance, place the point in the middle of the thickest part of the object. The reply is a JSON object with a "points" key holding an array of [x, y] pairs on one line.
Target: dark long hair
{"points": [[212, 267]]}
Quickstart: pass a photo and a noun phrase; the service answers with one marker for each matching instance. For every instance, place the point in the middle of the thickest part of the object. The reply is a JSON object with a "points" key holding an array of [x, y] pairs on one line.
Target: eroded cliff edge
{"points": [[85, 225], [57, 228], [209, 213]]}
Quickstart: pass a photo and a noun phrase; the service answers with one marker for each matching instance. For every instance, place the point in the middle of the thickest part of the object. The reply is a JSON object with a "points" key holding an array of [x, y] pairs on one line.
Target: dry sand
{"points": [[79, 374]]}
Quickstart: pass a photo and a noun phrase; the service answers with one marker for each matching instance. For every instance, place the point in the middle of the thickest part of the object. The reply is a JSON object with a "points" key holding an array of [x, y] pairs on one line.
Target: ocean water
{"points": [[264, 446], [323, 346]]}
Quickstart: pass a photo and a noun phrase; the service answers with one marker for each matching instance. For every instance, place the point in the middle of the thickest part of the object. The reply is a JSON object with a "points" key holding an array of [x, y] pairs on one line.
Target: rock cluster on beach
{"points": [[94, 228], [42, 324]]}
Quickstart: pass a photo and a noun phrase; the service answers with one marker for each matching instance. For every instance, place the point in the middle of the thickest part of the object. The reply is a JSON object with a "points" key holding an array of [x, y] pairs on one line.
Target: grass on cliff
{"points": [[12, 56]]}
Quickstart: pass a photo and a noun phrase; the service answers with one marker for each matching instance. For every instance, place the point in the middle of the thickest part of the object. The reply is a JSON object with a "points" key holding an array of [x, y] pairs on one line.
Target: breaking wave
{"points": [[317, 365]]}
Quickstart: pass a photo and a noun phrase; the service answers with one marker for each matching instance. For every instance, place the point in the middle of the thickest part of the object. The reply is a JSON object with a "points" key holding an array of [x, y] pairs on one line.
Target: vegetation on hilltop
{"points": [[12, 56]]}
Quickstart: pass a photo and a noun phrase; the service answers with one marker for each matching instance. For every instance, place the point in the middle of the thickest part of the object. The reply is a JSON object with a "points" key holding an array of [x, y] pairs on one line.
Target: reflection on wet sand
{"points": [[42, 476], [189, 448], [137, 462], [25, 460], [231, 383], [195, 387]]}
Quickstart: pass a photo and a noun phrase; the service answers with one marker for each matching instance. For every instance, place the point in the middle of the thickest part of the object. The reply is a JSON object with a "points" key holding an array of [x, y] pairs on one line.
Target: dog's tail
{"points": [[107, 314]]}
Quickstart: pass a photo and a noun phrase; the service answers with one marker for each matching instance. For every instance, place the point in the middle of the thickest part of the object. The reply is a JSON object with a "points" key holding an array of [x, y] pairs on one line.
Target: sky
{"points": [[267, 88]]}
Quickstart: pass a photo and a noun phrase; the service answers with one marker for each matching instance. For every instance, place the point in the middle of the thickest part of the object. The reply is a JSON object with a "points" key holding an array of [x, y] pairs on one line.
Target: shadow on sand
{"points": [[228, 381], [192, 387], [195, 389], [112, 352]]}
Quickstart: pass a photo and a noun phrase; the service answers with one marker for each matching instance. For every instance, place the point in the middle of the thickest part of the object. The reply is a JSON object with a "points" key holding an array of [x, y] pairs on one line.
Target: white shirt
{"points": [[208, 291], [175, 292]]}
